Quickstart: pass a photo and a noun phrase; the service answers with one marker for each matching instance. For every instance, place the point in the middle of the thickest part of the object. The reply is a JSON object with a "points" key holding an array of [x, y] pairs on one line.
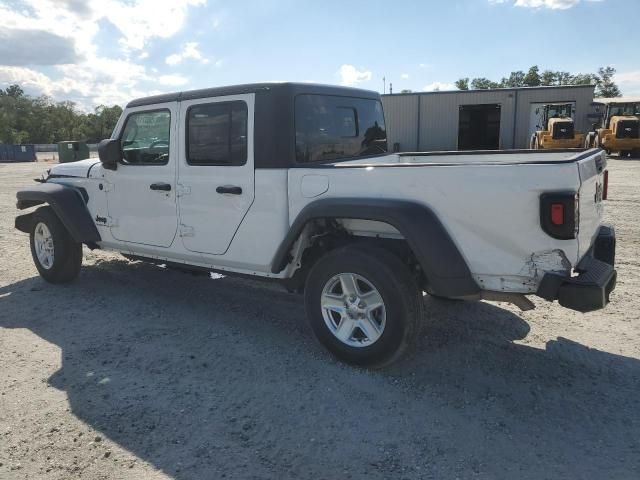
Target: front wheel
{"points": [[56, 255], [363, 305]]}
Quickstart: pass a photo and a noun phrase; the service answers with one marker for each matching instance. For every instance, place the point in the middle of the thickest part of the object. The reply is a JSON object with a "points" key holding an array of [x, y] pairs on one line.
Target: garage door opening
{"points": [[479, 127]]}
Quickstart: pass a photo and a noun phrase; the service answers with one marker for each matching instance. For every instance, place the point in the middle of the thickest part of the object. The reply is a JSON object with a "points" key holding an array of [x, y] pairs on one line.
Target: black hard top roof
{"points": [[281, 88]]}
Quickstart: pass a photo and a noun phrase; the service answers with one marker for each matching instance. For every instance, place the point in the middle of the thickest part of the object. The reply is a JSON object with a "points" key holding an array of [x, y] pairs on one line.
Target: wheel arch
{"points": [[68, 203], [441, 261]]}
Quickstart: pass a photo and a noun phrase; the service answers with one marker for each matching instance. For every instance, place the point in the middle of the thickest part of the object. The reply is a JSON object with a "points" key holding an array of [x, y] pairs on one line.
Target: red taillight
{"points": [[557, 213], [605, 185]]}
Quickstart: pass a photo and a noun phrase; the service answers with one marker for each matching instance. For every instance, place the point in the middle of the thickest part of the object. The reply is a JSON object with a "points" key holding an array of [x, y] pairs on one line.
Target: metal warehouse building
{"points": [[478, 119]]}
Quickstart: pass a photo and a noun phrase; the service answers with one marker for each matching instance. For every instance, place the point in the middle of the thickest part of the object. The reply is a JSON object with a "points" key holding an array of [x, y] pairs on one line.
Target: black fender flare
{"points": [[444, 266], [68, 203]]}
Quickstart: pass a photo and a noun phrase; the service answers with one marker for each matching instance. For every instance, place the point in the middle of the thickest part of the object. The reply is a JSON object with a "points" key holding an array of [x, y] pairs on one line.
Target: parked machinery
{"points": [[619, 129], [557, 129]]}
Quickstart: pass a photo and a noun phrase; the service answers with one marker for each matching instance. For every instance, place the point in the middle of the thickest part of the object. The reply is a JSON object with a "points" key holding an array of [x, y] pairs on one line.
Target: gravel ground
{"points": [[138, 372]]}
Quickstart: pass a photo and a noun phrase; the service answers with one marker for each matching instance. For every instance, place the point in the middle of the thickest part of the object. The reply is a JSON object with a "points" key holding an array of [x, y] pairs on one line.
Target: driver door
{"points": [[141, 191]]}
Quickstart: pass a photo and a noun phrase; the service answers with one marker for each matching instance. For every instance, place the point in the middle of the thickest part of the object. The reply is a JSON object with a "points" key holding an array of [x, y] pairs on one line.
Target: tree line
{"points": [[26, 119], [603, 80]]}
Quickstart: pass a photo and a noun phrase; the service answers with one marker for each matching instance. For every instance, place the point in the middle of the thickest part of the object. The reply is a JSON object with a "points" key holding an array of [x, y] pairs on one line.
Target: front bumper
{"points": [[596, 278]]}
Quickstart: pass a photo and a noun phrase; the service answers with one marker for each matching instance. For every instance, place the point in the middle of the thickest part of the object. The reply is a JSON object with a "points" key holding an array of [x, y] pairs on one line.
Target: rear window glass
{"points": [[335, 128]]}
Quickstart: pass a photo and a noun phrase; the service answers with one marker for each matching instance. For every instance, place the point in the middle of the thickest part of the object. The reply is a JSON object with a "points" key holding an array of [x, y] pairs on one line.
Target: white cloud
{"points": [[439, 86], [550, 4], [189, 50], [173, 80], [93, 79], [629, 82], [141, 20], [404, 76], [350, 75]]}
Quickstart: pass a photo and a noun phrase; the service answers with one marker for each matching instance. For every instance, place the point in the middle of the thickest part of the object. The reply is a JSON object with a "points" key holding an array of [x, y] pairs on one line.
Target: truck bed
{"points": [[477, 157], [489, 202]]}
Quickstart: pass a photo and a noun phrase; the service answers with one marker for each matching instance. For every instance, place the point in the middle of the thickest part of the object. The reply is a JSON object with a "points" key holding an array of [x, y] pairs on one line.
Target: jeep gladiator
{"points": [[294, 182]]}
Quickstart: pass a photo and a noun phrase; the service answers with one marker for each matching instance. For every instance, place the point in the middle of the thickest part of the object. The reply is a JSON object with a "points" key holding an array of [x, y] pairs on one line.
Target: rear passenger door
{"points": [[215, 171]]}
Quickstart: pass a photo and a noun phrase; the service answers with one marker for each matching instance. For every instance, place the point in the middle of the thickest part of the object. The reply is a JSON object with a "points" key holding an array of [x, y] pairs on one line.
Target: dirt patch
{"points": [[138, 372]]}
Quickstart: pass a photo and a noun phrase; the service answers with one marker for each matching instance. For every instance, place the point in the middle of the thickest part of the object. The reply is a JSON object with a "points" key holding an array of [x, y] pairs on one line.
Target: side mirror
{"points": [[110, 153]]}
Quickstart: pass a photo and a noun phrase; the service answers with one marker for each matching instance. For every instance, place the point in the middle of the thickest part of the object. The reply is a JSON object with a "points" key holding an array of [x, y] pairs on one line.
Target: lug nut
{"points": [[362, 305]]}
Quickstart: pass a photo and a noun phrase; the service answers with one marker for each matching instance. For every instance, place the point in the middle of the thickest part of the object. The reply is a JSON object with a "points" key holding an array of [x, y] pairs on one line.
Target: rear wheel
{"points": [[56, 255], [588, 141], [363, 305]]}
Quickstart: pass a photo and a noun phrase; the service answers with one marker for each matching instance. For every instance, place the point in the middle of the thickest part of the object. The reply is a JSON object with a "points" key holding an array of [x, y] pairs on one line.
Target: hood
{"points": [[74, 169]]}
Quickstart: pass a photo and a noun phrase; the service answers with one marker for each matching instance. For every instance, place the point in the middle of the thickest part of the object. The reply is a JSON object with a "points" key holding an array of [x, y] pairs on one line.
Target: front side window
{"points": [[217, 134], [338, 128], [145, 138]]}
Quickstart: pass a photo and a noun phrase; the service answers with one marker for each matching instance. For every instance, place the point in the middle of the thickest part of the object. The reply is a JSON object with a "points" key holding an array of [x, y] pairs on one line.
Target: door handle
{"points": [[165, 187], [229, 189]]}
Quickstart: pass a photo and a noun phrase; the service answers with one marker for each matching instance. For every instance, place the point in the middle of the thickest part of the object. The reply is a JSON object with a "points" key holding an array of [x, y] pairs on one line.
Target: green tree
{"points": [[13, 91], [584, 79], [462, 84], [548, 78], [532, 78], [606, 87], [25, 119], [483, 84], [515, 79]]}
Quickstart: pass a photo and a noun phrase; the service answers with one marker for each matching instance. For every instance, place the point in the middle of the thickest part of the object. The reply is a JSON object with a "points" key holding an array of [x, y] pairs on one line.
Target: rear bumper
{"points": [[596, 278]]}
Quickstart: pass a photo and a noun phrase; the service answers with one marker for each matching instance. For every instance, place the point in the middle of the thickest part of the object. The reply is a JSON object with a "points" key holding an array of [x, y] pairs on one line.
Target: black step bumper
{"points": [[596, 278]]}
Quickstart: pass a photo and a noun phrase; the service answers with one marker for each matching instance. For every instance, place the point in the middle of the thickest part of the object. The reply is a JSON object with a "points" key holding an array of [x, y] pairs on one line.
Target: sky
{"points": [[107, 52]]}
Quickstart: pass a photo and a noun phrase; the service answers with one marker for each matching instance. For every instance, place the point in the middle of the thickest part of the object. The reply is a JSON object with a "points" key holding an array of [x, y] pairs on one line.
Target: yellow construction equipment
{"points": [[619, 130], [557, 129]]}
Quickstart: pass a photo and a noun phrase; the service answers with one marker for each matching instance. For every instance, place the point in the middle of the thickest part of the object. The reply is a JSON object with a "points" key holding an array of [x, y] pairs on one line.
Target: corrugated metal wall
{"points": [[429, 121]]}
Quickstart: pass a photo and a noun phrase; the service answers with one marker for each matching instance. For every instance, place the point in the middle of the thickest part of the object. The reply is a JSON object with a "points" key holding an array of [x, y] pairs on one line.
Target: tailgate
{"points": [[592, 183]]}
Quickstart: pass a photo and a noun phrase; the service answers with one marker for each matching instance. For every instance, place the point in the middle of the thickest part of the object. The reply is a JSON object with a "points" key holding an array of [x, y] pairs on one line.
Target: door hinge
{"points": [[186, 231], [182, 190]]}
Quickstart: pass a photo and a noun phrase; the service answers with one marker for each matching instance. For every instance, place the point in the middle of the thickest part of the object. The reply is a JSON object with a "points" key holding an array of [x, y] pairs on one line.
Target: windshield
{"points": [[617, 109], [560, 111]]}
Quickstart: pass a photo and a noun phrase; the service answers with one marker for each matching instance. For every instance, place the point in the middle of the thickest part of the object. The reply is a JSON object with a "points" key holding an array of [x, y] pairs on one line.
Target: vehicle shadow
{"points": [[220, 378]]}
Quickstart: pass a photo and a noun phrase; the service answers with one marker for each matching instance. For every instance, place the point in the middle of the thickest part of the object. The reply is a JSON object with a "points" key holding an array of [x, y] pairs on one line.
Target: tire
{"points": [[536, 144], [596, 141], [394, 324], [49, 236], [588, 142]]}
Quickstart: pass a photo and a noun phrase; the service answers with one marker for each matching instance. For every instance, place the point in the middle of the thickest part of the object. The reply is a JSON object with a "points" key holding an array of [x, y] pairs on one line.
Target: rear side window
{"points": [[217, 134], [338, 128], [145, 138]]}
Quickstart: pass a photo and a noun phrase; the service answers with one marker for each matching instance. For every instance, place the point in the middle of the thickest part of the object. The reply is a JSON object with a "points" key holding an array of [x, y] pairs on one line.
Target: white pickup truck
{"points": [[294, 182]]}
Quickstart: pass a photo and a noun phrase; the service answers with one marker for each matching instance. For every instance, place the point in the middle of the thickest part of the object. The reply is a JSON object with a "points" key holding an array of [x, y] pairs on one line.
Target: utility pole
{"points": [[390, 88], [384, 85]]}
